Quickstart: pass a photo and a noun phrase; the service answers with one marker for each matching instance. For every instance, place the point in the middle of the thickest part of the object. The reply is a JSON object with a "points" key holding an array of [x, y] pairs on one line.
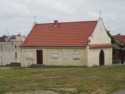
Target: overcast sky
{"points": [[17, 16]]}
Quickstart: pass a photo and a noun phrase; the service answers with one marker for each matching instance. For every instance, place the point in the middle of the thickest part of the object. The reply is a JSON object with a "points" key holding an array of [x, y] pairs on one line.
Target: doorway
{"points": [[101, 58], [39, 57]]}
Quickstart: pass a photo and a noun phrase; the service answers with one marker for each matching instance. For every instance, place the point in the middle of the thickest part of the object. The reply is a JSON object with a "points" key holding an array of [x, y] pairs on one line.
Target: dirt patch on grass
{"points": [[120, 92], [71, 90], [99, 91], [36, 92]]}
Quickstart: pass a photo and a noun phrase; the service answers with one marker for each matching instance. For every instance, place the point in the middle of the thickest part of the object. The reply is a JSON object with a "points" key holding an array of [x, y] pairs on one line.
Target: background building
{"points": [[10, 49], [119, 49]]}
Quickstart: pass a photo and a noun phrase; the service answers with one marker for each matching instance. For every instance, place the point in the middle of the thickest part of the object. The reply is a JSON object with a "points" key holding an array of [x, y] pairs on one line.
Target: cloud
{"points": [[9, 9], [18, 15]]}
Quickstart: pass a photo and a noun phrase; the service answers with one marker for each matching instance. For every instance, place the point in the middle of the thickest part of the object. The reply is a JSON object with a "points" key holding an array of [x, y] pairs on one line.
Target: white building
{"points": [[84, 43], [10, 49]]}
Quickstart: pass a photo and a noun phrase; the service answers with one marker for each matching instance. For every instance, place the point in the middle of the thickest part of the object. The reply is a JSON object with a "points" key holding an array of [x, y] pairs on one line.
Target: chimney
{"points": [[56, 23]]}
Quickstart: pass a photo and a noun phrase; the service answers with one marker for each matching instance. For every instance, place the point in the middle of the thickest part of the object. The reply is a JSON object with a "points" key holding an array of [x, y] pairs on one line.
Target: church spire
{"points": [[100, 14], [34, 19]]}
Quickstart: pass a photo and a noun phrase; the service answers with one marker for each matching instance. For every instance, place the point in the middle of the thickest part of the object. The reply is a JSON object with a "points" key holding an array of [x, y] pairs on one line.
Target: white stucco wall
{"points": [[65, 56], [93, 56], [7, 52], [100, 35]]}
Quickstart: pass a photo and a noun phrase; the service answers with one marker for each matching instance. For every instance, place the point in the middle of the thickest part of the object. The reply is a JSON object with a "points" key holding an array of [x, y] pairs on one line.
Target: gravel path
{"points": [[120, 92]]}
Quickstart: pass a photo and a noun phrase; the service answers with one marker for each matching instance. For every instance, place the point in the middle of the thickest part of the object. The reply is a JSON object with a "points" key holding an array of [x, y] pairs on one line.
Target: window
{"points": [[15, 46], [1, 47], [15, 55], [28, 55], [76, 55], [54, 54]]}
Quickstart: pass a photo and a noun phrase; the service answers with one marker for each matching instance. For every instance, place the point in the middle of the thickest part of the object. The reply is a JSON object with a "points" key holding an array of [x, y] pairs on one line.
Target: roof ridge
{"points": [[119, 36], [66, 22]]}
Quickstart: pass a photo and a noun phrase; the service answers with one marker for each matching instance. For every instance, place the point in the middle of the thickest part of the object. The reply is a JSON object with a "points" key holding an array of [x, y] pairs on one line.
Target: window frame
{"points": [[54, 54], [28, 55], [76, 55]]}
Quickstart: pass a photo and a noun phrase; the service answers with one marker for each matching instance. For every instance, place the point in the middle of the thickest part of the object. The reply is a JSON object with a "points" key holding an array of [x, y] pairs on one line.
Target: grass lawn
{"points": [[62, 80]]}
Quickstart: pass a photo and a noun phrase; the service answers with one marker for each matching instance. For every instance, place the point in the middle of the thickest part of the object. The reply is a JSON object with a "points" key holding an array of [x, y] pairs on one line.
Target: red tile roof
{"points": [[120, 38], [65, 34]]}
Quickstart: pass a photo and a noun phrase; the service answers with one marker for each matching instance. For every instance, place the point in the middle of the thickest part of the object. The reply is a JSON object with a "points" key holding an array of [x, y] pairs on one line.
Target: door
{"points": [[101, 58], [39, 57]]}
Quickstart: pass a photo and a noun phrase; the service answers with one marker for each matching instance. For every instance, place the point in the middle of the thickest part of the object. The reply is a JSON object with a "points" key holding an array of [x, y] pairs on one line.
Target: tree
{"points": [[109, 34]]}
